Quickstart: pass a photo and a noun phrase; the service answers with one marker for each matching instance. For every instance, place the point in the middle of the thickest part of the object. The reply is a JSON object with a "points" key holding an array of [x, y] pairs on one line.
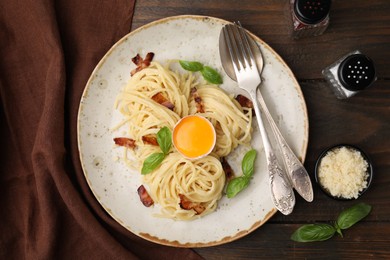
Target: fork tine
{"points": [[238, 46], [246, 46], [229, 45], [232, 47], [241, 43]]}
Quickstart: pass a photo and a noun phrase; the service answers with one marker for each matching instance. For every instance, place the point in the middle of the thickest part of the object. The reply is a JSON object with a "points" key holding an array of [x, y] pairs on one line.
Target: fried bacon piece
{"points": [[126, 142], [188, 205], [150, 139], [245, 102], [162, 100], [198, 100], [141, 63], [227, 169], [144, 196]]}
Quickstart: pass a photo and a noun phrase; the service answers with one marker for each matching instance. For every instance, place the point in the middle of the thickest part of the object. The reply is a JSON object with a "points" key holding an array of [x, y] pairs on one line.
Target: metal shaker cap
{"points": [[312, 11], [356, 72]]}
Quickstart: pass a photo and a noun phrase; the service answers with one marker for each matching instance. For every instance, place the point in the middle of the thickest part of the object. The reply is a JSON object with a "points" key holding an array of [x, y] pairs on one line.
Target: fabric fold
{"points": [[49, 48]]}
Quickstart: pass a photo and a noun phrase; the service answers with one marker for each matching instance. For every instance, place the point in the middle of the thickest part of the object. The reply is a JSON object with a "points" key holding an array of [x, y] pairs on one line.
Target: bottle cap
{"points": [[356, 72], [312, 11]]}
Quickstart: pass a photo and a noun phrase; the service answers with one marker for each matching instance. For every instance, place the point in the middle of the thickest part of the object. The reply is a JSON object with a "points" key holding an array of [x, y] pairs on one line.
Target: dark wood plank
{"points": [[365, 240], [354, 25], [363, 120]]}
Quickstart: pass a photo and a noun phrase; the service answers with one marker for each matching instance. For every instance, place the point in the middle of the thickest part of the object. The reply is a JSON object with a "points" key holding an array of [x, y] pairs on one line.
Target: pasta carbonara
{"points": [[157, 97]]}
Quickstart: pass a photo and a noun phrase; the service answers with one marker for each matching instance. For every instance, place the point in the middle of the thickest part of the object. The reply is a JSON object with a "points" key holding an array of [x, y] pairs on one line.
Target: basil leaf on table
{"points": [[164, 139], [320, 232], [152, 162], [191, 65], [211, 75], [313, 232], [352, 215]]}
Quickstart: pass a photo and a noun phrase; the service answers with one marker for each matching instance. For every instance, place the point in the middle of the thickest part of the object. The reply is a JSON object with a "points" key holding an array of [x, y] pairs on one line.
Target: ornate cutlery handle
{"points": [[297, 173], [281, 190], [282, 193]]}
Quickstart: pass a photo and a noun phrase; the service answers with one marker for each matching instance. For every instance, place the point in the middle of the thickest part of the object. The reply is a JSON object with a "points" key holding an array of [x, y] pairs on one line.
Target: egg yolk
{"points": [[194, 136]]}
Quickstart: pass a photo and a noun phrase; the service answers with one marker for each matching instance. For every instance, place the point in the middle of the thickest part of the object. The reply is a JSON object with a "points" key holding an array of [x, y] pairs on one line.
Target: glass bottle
{"points": [[310, 17], [351, 74]]}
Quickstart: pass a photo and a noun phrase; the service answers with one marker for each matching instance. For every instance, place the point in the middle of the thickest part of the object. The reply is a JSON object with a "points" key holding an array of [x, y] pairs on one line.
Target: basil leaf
{"points": [[352, 215], [208, 73], [313, 232], [338, 229], [164, 139], [248, 163], [211, 75], [152, 162], [236, 185], [191, 65]]}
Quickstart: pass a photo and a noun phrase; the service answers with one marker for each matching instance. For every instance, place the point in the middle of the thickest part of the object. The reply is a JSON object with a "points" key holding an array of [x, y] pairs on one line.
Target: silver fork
{"points": [[248, 79], [296, 172]]}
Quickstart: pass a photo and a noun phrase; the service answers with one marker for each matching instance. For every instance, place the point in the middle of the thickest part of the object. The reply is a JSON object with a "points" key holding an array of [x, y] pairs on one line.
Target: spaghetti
{"points": [[179, 181]]}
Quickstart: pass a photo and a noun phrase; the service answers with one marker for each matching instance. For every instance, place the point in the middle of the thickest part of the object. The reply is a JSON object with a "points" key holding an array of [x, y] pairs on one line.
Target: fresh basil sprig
{"points": [[152, 162], [191, 65], [164, 140], [211, 75], [238, 184], [321, 231], [351, 216], [208, 73], [313, 232]]}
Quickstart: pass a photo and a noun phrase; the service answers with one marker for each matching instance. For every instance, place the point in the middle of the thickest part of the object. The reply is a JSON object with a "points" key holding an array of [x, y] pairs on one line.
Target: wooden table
{"points": [[363, 120]]}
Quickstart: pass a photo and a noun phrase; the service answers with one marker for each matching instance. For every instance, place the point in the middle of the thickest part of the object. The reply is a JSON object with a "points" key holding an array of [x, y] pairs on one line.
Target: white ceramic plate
{"points": [[115, 185]]}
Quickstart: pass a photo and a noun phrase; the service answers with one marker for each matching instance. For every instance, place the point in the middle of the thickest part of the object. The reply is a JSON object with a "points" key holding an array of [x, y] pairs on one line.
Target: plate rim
{"points": [[175, 243]]}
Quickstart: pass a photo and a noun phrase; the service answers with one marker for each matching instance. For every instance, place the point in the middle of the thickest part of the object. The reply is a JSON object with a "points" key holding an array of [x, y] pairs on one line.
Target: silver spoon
{"points": [[296, 172], [248, 79]]}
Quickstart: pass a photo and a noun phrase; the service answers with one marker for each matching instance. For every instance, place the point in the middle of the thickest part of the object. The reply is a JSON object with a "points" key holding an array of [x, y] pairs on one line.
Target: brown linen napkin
{"points": [[48, 50]]}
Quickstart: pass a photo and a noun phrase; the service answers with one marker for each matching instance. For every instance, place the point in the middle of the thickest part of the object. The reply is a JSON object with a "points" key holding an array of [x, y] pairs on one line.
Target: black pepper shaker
{"points": [[350, 74], [310, 17]]}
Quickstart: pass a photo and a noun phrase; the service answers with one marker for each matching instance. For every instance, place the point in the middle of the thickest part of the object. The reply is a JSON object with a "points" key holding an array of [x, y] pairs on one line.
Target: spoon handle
{"points": [[296, 172], [281, 191]]}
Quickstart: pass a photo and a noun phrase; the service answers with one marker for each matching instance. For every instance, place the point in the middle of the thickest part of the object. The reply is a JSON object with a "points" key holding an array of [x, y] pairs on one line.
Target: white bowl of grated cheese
{"points": [[344, 172]]}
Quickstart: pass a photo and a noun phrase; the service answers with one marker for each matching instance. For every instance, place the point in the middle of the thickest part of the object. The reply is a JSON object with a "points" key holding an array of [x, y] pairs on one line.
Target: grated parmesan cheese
{"points": [[343, 172]]}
